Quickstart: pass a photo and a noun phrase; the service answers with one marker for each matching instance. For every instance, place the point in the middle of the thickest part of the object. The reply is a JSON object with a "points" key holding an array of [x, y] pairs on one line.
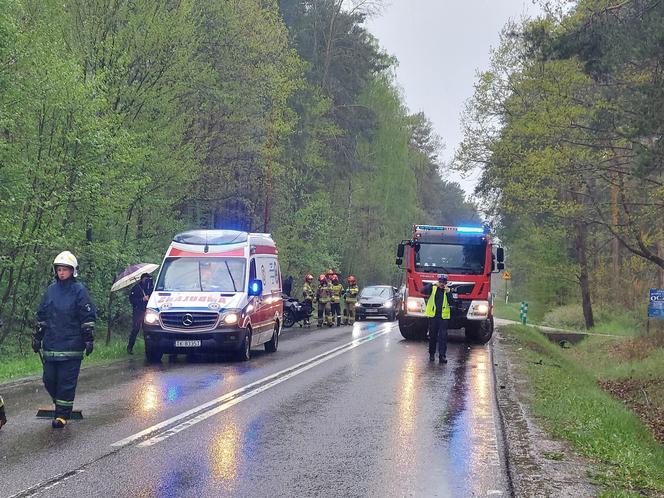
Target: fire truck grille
{"points": [[189, 320], [463, 289]]}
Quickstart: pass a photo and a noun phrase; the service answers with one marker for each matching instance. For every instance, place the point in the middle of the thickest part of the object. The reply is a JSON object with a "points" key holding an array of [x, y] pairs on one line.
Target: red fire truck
{"points": [[468, 257]]}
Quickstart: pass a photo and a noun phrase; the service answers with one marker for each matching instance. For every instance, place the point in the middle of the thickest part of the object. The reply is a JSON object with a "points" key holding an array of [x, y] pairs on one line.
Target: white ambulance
{"points": [[217, 290]]}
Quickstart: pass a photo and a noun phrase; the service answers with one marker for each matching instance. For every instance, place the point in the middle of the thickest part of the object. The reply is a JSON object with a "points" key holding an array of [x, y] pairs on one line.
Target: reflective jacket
{"points": [[323, 294], [64, 313], [307, 292], [337, 290], [351, 294], [432, 309]]}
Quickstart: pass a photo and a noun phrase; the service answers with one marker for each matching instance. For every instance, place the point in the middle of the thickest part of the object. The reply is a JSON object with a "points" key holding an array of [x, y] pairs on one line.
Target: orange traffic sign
{"points": [[506, 275]]}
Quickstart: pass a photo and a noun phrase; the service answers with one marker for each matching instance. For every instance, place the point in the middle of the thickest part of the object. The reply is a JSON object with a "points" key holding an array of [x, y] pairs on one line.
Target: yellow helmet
{"points": [[65, 258]]}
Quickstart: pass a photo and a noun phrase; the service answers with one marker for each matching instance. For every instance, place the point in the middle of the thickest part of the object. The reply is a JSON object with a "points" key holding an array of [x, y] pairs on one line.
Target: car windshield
{"points": [[450, 258], [202, 274], [384, 292]]}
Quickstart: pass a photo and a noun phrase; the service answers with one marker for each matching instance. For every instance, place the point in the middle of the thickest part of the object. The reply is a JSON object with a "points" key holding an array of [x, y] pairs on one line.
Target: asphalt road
{"points": [[335, 412]]}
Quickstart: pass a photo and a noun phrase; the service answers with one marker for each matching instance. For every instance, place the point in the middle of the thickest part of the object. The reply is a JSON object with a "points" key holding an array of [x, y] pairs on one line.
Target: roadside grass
{"points": [[565, 395], [17, 365], [509, 311]]}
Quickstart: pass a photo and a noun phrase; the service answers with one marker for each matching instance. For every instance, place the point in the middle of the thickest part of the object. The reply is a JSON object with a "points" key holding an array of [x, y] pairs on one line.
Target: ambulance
{"points": [[217, 291]]}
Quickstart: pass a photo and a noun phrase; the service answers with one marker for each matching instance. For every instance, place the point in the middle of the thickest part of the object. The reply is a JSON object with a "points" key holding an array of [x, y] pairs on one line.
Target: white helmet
{"points": [[65, 258]]}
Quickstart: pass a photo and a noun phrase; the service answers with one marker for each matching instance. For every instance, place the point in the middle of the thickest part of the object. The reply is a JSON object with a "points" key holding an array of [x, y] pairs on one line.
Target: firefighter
{"points": [[350, 298], [308, 295], [337, 291], [3, 417], [438, 313], [64, 332], [328, 275], [323, 295]]}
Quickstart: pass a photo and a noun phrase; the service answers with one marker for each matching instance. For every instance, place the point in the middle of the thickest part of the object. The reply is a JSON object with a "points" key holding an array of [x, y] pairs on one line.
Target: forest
{"points": [[566, 128], [123, 122]]}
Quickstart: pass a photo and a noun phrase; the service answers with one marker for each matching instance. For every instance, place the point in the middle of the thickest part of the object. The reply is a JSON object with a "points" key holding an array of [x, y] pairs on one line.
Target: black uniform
{"points": [[138, 292], [438, 324], [66, 318]]}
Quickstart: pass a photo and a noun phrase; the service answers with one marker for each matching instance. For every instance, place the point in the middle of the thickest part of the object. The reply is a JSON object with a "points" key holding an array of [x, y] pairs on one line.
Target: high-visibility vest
{"points": [[336, 290], [351, 294], [431, 305]]}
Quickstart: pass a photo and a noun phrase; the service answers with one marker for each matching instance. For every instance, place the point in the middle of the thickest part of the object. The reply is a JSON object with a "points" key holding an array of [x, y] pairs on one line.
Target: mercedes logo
{"points": [[187, 320]]}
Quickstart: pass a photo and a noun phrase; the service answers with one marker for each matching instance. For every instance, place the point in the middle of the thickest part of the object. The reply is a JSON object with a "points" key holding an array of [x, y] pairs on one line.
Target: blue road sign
{"points": [[656, 304]]}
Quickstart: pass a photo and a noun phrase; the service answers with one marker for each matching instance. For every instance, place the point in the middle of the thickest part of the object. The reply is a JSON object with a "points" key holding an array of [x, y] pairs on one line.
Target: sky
{"points": [[440, 45]]}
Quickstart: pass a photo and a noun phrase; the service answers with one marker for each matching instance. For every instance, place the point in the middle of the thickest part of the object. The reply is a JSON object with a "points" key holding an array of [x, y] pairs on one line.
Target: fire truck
{"points": [[468, 256]]}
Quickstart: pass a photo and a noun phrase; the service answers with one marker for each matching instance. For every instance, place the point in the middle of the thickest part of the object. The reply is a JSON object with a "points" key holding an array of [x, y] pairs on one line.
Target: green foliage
{"points": [[566, 397]]}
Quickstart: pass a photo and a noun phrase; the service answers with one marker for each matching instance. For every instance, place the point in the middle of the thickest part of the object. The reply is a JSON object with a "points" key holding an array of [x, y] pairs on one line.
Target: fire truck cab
{"points": [[468, 256]]}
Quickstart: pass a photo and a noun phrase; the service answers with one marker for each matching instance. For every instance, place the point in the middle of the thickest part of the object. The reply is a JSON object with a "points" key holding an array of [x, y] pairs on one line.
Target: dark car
{"points": [[378, 300]]}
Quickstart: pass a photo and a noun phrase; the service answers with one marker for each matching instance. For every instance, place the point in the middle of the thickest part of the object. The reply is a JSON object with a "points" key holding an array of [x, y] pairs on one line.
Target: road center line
{"points": [[232, 398]]}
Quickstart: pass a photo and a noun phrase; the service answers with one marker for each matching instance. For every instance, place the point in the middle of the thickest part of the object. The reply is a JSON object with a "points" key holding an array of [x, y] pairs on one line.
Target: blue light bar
{"points": [[470, 230]]}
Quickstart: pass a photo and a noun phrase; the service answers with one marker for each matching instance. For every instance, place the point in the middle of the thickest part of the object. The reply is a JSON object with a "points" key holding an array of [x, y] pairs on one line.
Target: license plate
{"points": [[371, 311], [188, 344]]}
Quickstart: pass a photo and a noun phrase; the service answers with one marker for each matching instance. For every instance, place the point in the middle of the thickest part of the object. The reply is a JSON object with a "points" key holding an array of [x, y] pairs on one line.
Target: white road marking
{"points": [[232, 398]]}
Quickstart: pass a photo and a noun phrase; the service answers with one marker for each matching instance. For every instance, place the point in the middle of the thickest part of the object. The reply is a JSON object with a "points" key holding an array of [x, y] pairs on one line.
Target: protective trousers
{"points": [[60, 379], [136, 324], [335, 313], [438, 336], [350, 313], [324, 310], [307, 308]]}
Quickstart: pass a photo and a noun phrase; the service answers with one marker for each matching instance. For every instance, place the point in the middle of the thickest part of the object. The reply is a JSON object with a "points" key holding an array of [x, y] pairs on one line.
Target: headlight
{"points": [[151, 317], [357, 305], [478, 310], [482, 309], [415, 304], [231, 318], [388, 304]]}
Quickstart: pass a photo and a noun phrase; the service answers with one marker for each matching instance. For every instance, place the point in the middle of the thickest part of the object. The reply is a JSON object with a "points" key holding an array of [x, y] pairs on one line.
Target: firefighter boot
{"points": [[3, 417], [58, 423]]}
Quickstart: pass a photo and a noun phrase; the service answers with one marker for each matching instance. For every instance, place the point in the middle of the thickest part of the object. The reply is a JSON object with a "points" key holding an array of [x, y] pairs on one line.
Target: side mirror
{"points": [[399, 261], [400, 250], [255, 288], [500, 256], [501, 266]]}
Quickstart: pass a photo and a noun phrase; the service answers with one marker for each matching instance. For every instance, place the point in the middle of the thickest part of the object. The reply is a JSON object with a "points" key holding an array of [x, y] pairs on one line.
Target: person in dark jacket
{"points": [[438, 313], [65, 331], [139, 297]]}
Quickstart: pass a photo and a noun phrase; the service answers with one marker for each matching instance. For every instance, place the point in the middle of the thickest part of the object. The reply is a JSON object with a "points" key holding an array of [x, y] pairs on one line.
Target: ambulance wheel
{"points": [[245, 350], [152, 355], [272, 345]]}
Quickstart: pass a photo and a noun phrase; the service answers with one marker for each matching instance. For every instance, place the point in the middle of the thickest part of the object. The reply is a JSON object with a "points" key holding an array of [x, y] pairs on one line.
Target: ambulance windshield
{"points": [[202, 274]]}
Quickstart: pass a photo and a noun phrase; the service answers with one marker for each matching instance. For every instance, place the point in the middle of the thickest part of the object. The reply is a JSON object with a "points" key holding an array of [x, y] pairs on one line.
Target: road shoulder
{"points": [[538, 464]]}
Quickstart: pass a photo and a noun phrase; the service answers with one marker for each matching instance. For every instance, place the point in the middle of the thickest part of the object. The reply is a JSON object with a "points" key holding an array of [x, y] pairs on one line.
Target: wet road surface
{"points": [[349, 411]]}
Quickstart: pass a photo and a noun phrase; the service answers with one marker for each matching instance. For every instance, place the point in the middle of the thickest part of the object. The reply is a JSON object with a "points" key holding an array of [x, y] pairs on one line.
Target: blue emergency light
{"points": [[470, 229]]}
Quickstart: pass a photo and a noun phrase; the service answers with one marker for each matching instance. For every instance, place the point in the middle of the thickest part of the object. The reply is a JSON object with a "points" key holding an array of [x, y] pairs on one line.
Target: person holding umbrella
{"points": [[65, 330], [139, 297]]}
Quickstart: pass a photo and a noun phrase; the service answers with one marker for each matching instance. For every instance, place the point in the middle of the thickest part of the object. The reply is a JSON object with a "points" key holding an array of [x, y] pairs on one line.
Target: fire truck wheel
{"points": [[245, 351], [413, 329], [272, 345], [480, 332]]}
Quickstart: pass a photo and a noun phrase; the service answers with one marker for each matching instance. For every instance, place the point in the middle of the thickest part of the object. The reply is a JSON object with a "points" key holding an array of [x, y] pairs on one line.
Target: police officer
{"points": [[65, 330], [308, 296], [350, 298], [139, 297], [323, 295], [335, 300], [438, 313]]}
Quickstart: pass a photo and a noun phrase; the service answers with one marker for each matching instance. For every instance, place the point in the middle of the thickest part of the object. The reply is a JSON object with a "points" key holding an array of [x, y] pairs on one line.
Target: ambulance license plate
{"points": [[188, 344]]}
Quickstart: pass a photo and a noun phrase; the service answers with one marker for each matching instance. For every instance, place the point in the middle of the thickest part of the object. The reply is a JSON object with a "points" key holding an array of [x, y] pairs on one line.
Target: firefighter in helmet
{"points": [[335, 307], [323, 295], [328, 275], [308, 296], [64, 332], [350, 298]]}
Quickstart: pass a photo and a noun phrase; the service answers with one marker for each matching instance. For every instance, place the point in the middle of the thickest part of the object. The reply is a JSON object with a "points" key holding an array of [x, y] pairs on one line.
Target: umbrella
{"points": [[132, 274]]}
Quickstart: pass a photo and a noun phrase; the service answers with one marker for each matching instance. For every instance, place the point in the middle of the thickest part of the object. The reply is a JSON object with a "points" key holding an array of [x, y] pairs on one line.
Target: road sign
{"points": [[656, 304], [506, 275]]}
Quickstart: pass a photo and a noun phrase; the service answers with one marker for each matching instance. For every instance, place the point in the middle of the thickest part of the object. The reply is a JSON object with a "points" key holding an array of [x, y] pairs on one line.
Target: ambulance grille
{"points": [[189, 320]]}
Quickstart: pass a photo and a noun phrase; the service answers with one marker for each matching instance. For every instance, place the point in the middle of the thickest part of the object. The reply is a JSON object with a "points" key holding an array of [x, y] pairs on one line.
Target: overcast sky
{"points": [[441, 44]]}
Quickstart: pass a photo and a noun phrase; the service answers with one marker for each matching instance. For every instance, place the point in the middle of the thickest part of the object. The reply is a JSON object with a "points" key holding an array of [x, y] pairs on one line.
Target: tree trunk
{"points": [[584, 280]]}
